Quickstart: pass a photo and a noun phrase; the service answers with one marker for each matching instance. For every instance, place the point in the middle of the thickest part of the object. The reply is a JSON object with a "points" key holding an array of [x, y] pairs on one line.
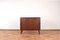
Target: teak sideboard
{"points": [[30, 23]]}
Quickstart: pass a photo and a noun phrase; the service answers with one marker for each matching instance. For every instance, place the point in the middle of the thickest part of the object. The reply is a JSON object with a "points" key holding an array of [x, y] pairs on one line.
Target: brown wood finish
{"points": [[30, 23]]}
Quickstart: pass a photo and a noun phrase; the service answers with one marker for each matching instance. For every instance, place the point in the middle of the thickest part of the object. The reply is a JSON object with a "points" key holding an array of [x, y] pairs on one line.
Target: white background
{"points": [[12, 10]]}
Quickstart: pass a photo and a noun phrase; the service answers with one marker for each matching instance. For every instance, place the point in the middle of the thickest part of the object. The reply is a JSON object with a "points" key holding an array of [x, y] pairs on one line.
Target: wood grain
{"points": [[29, 35]]}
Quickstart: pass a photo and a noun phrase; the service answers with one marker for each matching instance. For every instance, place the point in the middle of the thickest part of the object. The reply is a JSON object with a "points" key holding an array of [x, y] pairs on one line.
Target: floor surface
{"points": [[29, 35]]}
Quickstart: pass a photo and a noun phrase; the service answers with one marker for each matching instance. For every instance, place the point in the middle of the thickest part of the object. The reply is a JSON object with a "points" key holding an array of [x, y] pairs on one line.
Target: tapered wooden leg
{"points": [[39, 31], [21, 31]]}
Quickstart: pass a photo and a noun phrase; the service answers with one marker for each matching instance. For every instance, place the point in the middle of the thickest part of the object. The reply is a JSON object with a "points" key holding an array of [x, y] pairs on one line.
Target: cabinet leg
{"points": [[39, 31], [21, 31]]}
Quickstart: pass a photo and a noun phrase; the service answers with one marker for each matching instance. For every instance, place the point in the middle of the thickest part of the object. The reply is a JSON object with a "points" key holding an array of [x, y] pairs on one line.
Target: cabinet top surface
{"points": [[30, 17]]}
